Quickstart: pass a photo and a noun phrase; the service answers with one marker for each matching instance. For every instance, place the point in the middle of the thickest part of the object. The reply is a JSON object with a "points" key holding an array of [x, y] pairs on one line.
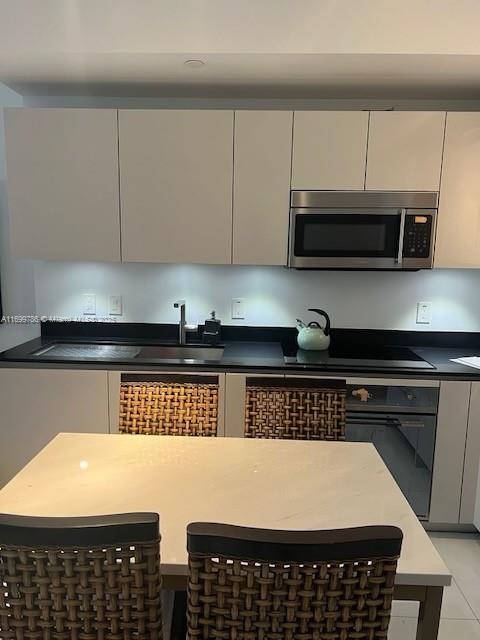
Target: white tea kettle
{"points": [[312, 337]]}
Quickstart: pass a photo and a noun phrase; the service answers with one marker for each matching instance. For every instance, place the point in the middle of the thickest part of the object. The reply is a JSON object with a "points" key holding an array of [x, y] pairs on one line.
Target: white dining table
{"points": [[273, 484]]}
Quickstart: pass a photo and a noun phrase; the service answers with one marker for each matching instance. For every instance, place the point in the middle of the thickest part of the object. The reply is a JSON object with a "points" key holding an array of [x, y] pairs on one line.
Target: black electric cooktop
{"points": [[352, 356]]}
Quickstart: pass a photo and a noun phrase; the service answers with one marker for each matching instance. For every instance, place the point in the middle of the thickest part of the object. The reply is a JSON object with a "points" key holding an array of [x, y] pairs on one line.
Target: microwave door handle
{"points": [[403, 213]]}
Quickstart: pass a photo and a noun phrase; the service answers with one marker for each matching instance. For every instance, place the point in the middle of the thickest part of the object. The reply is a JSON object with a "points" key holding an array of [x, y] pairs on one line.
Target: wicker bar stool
{"points": [[80, 578], [174, 406], [310, 585], [295, 409]]}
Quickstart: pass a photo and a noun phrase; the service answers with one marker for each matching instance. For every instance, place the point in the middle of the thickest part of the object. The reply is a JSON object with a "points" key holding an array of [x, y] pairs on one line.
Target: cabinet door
{"points": [[37, 404], [235, 401], [458, 236], [449, 458], [329, 149], [262, 159], [176, 172], [62, 178], [405, 150], [470, 495]]}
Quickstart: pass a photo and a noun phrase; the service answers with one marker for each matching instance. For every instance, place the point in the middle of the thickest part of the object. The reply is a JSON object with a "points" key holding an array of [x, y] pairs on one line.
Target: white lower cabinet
{"points": [[452, 423], [37, 404], [235, 388], [470, 504], [235, 401]]}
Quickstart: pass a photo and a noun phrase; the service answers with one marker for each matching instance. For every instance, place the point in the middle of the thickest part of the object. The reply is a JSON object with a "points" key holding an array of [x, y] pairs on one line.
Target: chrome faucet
{"points": [[183, 327]]}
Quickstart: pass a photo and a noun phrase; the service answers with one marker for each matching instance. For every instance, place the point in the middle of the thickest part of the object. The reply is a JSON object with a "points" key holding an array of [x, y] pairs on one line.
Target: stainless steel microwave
{"points": [[362, 229]]}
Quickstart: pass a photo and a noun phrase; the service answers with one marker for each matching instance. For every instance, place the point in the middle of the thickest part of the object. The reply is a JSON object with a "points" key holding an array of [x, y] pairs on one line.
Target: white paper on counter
{"points": [[473, 361]]}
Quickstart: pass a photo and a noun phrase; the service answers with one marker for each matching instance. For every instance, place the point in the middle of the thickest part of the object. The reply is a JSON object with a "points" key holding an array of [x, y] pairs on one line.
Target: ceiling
{"points": [[261, 48]]}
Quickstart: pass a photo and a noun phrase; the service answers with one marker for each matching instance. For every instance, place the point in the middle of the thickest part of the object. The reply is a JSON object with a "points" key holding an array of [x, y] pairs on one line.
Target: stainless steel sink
{"points": [[87, 351], [180, 352], [112, 351]]}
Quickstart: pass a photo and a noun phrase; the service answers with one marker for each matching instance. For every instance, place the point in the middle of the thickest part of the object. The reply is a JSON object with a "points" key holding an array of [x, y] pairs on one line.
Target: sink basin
{"points": [[180, 352], [105, 351], [87, 351]]}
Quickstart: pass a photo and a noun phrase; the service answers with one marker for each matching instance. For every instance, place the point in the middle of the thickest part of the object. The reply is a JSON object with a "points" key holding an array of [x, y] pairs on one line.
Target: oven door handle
{"points": [[399, 258], [384, 421]]}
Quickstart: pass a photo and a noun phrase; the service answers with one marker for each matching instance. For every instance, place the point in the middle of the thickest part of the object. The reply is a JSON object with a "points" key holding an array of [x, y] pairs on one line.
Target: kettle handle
{"points": [[327, 319]]}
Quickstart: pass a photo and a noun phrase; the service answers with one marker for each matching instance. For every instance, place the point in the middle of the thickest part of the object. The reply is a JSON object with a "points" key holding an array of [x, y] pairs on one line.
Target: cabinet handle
{"points": [[384, 422]]}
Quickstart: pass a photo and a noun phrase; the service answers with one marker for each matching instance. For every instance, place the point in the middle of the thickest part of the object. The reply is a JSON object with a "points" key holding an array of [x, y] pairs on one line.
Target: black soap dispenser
{"points": [[212, 330]]}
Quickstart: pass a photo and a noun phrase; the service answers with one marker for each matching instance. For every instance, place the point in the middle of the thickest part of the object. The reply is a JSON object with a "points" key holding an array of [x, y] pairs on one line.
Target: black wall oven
{"points": [[400, 420], [362, 229]]}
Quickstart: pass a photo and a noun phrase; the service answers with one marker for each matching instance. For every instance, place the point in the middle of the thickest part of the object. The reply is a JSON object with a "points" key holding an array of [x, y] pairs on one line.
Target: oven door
{"points": [[406, 443], [332, 238]]}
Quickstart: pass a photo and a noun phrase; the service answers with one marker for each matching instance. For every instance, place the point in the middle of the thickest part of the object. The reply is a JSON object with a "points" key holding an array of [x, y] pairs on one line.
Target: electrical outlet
{"points": [[89, 304], [238, 309], [115, 305], [424, 312]]}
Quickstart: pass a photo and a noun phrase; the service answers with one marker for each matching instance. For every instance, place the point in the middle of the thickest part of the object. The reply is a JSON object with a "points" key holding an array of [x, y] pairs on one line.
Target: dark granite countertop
{"points": [[256, 355], [248, 349]]}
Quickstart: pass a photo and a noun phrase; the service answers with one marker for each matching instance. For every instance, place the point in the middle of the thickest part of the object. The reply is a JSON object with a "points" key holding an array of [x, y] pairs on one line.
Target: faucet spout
{"points": [[182, 325]]}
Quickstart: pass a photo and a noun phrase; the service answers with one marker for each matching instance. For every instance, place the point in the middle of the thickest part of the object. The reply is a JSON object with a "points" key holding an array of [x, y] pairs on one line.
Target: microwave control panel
{"points": [[417, 236]]}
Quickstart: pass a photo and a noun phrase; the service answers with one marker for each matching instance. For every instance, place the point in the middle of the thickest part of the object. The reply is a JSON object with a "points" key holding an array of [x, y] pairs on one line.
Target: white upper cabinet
{"points": [[458, 226], [405, 150], [262, 159], [62, 173], [329, 149], [176, 171]]}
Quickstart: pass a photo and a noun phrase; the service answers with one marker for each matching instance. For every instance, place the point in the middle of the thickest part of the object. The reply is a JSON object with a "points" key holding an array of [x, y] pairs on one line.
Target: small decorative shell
{"points": [[363, 394]]}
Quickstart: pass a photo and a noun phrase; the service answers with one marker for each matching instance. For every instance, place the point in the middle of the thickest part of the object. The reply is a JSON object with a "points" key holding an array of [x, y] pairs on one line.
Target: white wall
{"points": [[16, 275], [273, 295]]}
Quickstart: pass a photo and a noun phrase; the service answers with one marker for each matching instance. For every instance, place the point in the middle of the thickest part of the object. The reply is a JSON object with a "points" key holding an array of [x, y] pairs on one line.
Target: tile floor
{"points": [[461, 601]]}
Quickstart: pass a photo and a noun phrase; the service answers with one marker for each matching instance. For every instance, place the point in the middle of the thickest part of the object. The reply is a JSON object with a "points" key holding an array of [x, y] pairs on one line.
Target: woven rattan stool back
{"points": [[170, 408], [80, 578], [295, 409], [247, 584]]}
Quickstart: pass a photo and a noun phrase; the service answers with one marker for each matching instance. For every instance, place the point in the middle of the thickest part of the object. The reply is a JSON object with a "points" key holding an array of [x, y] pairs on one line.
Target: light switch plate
{"points": [[89, 305], [115, 305], [238, 309], [424, 312]]}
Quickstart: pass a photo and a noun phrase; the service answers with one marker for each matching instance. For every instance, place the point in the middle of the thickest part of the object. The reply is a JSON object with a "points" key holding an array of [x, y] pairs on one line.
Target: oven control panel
{"points": [[417, 236]]}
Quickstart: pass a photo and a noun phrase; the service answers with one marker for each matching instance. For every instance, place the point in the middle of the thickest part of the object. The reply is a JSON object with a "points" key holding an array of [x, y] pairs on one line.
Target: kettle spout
{"points": [[300, 324]]}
